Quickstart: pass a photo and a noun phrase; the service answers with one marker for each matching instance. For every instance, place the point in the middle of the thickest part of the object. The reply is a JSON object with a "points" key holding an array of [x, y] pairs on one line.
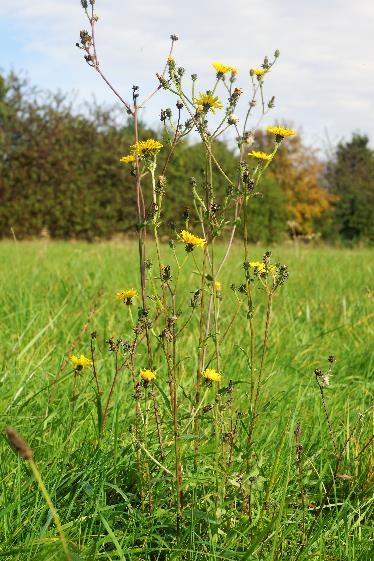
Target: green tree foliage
{"points": [[350, 176], [267, 213], [59, 170], [60, 173]]}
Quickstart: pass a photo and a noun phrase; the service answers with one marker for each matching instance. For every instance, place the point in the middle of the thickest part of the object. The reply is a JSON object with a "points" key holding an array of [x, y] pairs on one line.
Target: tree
{"points": [[350, 176], [298, 170]]}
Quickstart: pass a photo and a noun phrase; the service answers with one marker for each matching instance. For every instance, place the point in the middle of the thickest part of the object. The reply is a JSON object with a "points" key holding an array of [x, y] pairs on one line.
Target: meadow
{"points": [[298, 504]]}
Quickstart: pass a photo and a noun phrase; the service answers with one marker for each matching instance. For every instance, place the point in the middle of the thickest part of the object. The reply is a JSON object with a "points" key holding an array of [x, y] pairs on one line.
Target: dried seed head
{"points": [[325, 380], [18, 444], [208, 407]]}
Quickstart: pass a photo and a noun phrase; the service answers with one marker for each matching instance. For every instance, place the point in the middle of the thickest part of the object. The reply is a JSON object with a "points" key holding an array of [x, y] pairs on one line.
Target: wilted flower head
{"points": [[325, 380], [232, 119]]}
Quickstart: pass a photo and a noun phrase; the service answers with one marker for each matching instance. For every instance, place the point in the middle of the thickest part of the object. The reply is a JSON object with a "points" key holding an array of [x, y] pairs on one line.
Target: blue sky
{"points": [[324, 82]]}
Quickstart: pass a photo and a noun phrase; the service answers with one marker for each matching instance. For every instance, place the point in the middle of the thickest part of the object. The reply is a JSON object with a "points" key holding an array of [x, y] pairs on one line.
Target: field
{"points": [[299, 509]]}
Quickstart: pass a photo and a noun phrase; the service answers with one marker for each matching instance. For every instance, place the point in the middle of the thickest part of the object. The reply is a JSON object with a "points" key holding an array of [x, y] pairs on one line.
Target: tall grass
{"points": [[280, 508]]}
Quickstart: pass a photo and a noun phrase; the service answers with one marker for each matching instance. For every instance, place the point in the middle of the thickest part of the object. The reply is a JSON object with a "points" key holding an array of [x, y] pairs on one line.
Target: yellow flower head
{"points": [[223, 69], [148, 147], [212, 375], [191, 240], [126, 296], [80, 362], [260, 155], [208, 102], [171, 59], [281, 132], [217, 286], [258, 71], [261, 267], [147, 375], [127, 159]]}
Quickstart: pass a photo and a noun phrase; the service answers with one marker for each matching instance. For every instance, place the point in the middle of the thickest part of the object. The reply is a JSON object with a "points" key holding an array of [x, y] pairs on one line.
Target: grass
{"points": [[326, 307]]}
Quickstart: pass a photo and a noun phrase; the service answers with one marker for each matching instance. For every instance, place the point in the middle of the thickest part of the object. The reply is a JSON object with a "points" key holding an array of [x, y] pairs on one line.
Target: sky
{"points": [[323, 82]]}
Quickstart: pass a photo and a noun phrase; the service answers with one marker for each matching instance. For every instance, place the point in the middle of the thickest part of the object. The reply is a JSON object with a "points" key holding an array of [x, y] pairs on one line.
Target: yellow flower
{"points": [[128, 159], [126, 296], [208, 101], [259, 265], [281, 131], [217, 286], [260, 155], [258, 71], [80, 362], [147, 375], [223, 69], [171, 59], [212, 375], [146, 147], [191, 240]]}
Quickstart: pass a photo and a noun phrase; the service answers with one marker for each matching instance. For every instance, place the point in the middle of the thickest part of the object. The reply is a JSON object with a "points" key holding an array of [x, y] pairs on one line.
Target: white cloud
{"points": [[325, 76]]}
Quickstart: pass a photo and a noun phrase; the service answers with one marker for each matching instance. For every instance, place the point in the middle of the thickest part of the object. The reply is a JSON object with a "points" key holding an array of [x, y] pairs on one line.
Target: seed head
{"points": [[18, 444]]}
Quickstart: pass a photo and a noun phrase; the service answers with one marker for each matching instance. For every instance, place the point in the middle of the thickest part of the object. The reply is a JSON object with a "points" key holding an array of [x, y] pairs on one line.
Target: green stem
{"points": [[51, 506], [260, 375]]}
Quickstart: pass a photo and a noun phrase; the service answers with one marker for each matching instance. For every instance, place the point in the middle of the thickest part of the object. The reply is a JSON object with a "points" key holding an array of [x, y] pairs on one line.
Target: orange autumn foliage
{"points": [[297, 170]]}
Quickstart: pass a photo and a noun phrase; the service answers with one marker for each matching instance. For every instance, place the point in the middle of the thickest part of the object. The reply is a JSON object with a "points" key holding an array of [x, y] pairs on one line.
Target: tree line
{"points": [[60, 175]]}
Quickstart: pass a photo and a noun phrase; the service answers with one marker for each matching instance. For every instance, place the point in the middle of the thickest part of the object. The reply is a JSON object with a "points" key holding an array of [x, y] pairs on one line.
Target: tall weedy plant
{"points": [[199, 472], [207, 234]]}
